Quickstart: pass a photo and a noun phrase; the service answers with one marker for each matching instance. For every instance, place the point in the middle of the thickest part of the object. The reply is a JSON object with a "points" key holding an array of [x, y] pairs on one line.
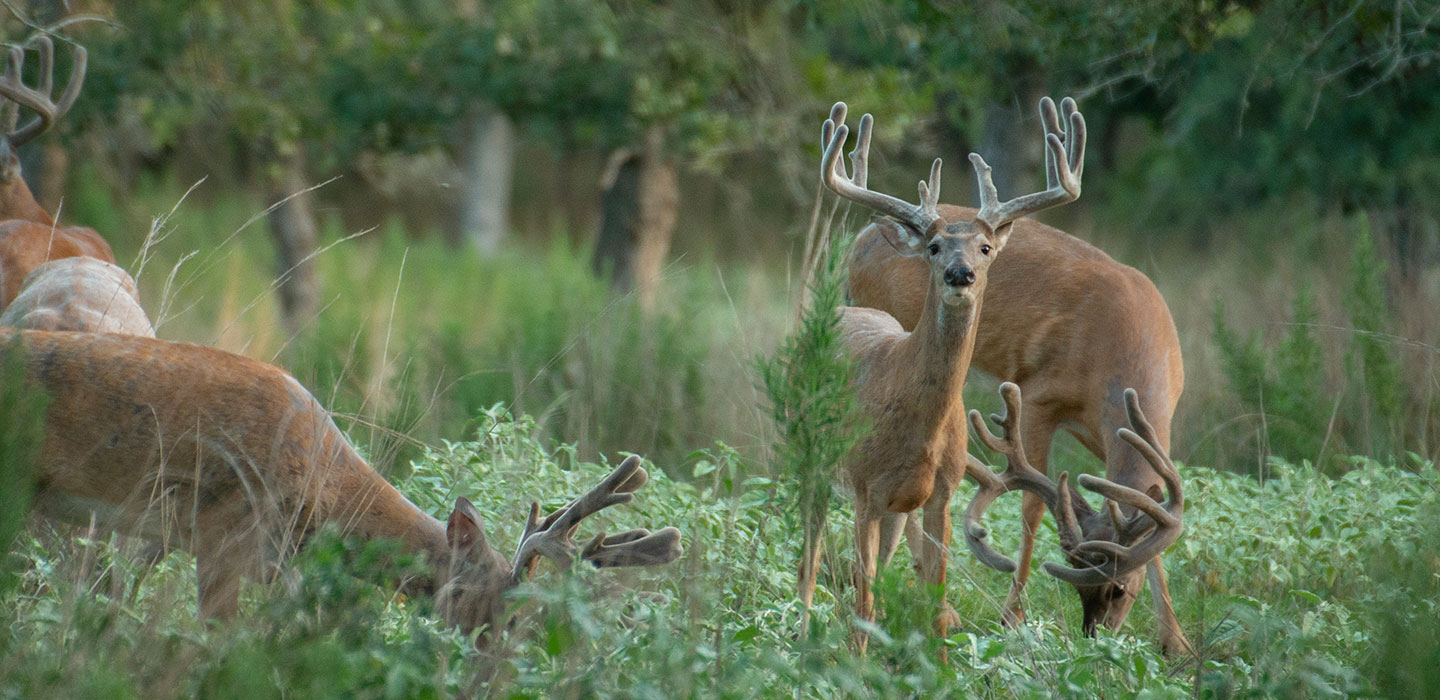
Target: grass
{"points": [[1297, 587], [1300, 583]]}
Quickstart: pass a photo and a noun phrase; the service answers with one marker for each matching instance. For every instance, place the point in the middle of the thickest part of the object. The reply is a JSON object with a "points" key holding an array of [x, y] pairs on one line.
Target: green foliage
{"points": [[1371, 358], [1287, 387], [809, 381], [22, 415], [1300, 586]]}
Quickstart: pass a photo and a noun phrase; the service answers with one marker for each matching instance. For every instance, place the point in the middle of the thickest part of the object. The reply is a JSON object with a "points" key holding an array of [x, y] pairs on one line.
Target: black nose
{"points": [[959, 276]]}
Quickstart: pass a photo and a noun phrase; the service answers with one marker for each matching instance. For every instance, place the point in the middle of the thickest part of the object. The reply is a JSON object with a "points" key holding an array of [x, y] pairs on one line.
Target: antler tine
{"points": [[1063, 167], [39, 100], [860, 157], [551, 537], [1018, 474], [638, 547], [827, 131], [1168, 518], [915, 218], [10, 112]]}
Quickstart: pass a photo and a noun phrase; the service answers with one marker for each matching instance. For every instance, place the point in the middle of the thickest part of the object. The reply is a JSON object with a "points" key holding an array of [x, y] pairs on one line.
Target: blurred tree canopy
{"points": [[1235, 102]]}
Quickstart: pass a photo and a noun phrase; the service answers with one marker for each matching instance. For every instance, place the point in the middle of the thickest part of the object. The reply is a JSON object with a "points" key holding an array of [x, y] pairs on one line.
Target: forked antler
{"points": [[552, 536], [1166, 519], [916, 218], [1064, 163], [1109, 560], [1019, 474], [17, 94]]}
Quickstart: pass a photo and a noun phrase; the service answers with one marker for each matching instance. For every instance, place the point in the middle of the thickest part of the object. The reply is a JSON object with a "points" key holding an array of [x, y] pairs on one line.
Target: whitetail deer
{"points": [[1104, 547], [231, 459], [78, 294], [909, 382], [29, 235], [1074, 328]]}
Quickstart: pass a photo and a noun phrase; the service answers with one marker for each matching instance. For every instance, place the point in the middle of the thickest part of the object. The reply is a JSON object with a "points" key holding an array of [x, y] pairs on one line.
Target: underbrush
{"points": [[1301, 586]]}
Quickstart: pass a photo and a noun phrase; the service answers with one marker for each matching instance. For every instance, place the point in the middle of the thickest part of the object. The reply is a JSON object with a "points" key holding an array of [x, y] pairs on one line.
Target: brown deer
{"points": [[1074, 328], [909, 381], [79, 294], [231, 459], [1104, 546], [29, 235]]}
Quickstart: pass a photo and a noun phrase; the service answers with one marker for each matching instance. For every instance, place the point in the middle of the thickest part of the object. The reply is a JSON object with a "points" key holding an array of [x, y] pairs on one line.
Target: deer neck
{"points": [[16, 200], [939, 349], [375, 510]]}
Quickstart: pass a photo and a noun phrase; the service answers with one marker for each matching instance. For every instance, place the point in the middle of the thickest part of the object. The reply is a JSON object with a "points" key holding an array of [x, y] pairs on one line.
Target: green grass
{"points": [[1299, 587]]}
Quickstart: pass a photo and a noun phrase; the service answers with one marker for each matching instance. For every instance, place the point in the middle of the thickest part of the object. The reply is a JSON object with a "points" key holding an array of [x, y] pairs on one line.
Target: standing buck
{"points": [[909, 381], [1105, 549], [29, 235], [1073, 327], [231, 459]]}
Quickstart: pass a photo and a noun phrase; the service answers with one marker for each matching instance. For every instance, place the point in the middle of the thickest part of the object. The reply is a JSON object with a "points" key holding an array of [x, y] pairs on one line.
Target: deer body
{"points": [[1074, 328], [910, 383], [79, 294], [233, 460]]}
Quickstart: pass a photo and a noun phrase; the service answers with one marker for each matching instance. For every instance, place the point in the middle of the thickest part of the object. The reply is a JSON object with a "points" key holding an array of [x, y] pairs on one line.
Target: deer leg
{"points": [[935, 551], [892, 526], [867, 549], [809, 572], [1172, 638], [217, 576], [1036, 435]]}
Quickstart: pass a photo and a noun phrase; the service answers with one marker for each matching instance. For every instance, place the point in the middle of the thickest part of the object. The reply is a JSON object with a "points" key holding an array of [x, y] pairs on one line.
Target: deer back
{"points": [[26, 245], [79, 294]]}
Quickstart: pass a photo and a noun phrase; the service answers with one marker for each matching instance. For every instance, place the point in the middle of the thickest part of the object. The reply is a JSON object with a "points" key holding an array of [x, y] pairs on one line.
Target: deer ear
{"points": [[904, 242], [1001, 237], [464, 530]]}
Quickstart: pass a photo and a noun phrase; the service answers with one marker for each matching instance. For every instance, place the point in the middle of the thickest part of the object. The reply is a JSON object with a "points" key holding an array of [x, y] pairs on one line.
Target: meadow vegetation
{"points": [[1291, 232]]}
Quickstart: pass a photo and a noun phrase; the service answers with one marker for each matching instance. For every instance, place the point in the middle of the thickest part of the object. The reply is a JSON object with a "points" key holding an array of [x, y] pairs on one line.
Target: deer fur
{"points": [[79, 294], [234, 461], [1074, 328]]}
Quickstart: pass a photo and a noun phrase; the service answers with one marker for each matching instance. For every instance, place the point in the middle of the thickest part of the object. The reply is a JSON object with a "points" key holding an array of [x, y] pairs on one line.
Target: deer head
{"points": [[15, 94], [1106, 550], [959, 251], [472, 595]]}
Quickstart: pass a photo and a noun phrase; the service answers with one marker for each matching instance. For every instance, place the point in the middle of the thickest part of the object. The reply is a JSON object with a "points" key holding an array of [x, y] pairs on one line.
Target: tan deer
{"points": [[1102, 546], [29, 235], [231, 459], [909, 381], [79, 294], [1074, 328]]}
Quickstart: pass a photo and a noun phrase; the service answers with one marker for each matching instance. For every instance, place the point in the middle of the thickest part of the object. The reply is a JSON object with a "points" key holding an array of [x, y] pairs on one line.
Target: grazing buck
{"points": [[1104, 548], [1074, 328], [79, 294], [909, 381], [231, 459], [29, 235]]}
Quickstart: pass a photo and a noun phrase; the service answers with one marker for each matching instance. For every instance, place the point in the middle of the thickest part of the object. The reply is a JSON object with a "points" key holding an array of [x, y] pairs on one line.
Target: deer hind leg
{"points": [[867, 550], [1172, 638], [1036, 435]]}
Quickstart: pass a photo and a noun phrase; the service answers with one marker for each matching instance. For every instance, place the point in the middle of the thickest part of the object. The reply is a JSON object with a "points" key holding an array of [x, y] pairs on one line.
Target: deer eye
{"points": [[984, 250], [934, 248]]}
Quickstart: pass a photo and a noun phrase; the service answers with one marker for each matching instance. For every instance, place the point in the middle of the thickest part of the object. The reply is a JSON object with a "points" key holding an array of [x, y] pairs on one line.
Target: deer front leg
{"points": [[809, 572], [935, 551], [1172, 638], [867, 550], [892, 526]]}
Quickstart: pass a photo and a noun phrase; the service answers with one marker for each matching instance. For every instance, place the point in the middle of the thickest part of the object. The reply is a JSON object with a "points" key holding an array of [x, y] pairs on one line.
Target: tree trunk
{"points": [[1012, 141], [637, 218], [485, 216], [296, 236]]}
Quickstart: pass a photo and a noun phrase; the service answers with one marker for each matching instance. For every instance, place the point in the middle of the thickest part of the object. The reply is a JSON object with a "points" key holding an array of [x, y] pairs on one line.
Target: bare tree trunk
{"points": [[296, 236], [485, 216], [1011, 140], [637, 219]]}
